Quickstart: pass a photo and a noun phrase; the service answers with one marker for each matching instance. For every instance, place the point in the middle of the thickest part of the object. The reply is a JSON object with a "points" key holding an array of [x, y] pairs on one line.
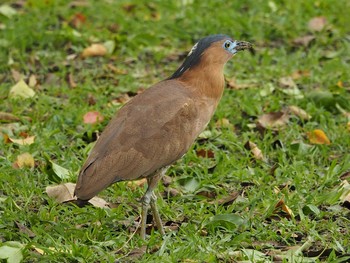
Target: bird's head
{"points": [[214, 49]]}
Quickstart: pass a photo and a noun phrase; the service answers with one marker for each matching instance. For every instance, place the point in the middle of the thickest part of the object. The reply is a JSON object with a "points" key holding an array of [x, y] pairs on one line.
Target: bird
{"points": [[158, 126]]}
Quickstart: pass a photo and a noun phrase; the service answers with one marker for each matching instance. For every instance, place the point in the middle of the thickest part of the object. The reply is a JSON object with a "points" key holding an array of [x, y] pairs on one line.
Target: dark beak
{"points": [[242, 45]]}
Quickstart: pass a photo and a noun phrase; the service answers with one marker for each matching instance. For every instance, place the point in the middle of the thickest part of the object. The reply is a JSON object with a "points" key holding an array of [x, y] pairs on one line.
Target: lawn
{"points": [[267, 181]]}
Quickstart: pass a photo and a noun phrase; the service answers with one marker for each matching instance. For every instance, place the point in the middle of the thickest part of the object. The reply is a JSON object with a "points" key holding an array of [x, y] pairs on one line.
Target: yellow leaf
{"points": [[26, 141], [24, 160], [22, 90], [318, 137], [136, 184], [282, 205], [95, 50]]}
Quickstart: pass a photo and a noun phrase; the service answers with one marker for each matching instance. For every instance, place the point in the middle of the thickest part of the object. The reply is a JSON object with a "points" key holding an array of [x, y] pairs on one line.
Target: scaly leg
{"points": [[149, 198], [156, 215]]}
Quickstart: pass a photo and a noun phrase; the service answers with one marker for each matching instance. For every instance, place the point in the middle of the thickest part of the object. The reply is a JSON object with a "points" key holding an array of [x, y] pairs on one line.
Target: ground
{"points": [[266, 181]]}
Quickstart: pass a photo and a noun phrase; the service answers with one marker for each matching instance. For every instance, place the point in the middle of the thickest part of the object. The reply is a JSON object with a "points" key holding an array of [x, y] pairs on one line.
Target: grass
{"points": [[151, 40]]}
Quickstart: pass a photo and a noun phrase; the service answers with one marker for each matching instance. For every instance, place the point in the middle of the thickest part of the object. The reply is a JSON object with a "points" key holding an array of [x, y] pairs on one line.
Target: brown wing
{"points": [[151, 131]]}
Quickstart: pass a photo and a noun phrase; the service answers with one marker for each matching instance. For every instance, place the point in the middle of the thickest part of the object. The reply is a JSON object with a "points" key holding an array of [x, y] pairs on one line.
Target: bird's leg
{"points": [[149, 198], [156, 215]]}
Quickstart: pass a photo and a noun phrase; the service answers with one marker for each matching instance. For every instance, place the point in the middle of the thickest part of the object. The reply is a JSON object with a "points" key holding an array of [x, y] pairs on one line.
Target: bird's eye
{"points": [[227, 44]]}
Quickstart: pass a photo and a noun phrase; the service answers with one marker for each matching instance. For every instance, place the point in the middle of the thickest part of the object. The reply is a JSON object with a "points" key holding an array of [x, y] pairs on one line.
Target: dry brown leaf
{"points": [[287, 82], [98, 202], [137, 183], [25, 141], [226, 200], [232, 84], [61, 193], [16, 75], [95, 50], [65, 192], [77, 20], [317, 23], [303, 115], [136, 254], [8, 117], [167, 180], [204, 153], [318, 137], [223, 122], [24, 160], [172, 192], [281, 205], [25, 230], [92, 117], [32, 81], [345, 175], [71, 81], [304, 40], [300, 74], [348, 126], [345, 197], [256, 152], [38, 250], [117, 70], [273, 120]]}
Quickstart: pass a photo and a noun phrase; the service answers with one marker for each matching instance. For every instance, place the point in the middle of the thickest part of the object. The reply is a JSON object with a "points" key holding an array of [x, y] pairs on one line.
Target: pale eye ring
{"points": [[227, 44]]}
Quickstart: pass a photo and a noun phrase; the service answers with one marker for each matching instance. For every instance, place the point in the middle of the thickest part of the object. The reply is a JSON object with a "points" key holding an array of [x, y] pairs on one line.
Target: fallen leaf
{"points": [[71, 81], [110, 46], [345, 197], [232, 84], [223, 123], [205, 153], [256, 152], [24, 160], [300, 74], [32, 81], [345, 175], [8, 117], [98, 202], [22, 90], [12, 251], [38, 250], [304, 40], [77, 20], [287, 82], [137, 183], [91, 99], [167, 180], [129, 7], [135, 254], [25, 230], [92, 117], [26, 141], [116, 70], [273, 120], [317, 23], [281, 205], [7, 10], [16, 75], [172, 192], [65, 192], [318, 137], [95, 50], [226, 200], [303, 115]]}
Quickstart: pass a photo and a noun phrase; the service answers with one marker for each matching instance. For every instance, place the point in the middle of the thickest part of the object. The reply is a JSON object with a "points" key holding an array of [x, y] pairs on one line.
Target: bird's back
{"points": [[151, 131]]}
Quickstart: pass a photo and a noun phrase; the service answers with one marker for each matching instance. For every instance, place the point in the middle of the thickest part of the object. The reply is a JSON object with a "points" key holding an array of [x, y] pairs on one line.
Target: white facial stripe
{"points": [[193, 49]]}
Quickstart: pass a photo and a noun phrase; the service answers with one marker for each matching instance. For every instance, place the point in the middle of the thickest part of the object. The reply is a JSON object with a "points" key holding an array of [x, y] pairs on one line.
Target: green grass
{"points": [[151, 39]]}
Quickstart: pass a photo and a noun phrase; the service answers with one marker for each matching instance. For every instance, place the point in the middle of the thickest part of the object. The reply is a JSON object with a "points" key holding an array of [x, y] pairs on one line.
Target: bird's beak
{"points": [[242, 45]]}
